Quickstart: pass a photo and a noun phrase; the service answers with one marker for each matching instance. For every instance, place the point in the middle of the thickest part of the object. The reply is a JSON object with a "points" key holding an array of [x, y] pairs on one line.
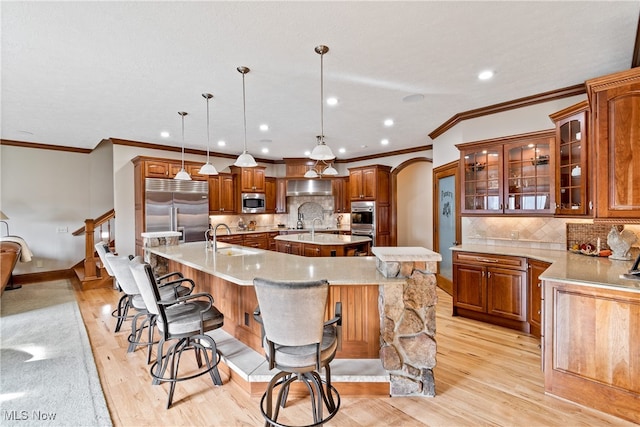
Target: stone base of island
{"points": [[393, 292]]}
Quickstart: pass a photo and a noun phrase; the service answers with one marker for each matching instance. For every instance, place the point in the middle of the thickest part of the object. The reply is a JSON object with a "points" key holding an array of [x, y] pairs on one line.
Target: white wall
{"points": [[414, 205], [44, 191], [101, 179]]}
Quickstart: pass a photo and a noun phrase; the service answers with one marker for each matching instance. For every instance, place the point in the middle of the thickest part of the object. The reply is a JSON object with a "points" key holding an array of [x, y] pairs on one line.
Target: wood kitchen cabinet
{"points": [[250, 180], [341, 196], [491, 288], [292, 248], [615, 107], [270, 195], [510, 175], [256, 240], [222, 194], [573, 196], [370, 183], [535, 295]]}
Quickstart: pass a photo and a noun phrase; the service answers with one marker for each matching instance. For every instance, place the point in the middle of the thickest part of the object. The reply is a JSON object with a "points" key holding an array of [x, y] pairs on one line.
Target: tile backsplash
{"points": [[533, 232]]}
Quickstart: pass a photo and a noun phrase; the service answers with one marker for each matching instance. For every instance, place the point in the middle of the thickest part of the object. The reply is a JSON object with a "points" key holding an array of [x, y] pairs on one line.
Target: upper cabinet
{"points": [[511, 175], [615, 108], [250, 180], [370, 183], [222, 192], [270, 195], [573, 195], [341, 202]]}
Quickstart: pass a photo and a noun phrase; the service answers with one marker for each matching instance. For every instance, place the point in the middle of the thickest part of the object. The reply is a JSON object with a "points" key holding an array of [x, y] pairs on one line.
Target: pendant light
{"points": [[245, 160], [182, 175], [322, 151], [207, 168], [328, 169]]}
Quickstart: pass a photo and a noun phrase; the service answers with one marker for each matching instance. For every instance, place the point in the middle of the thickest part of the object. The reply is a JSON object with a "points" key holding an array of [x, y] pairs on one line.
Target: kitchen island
{"points": [[323, 245], [591, 328], [357, 282]]}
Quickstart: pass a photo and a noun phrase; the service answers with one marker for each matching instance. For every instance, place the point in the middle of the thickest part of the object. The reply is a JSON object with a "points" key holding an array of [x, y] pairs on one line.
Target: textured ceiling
{"points": [[74, 73]]}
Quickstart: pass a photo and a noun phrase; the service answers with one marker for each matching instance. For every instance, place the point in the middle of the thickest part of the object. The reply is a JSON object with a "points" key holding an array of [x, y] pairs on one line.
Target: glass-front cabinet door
{"points": [[572, 177], [529, 177], [482, 191], [512, 175]]}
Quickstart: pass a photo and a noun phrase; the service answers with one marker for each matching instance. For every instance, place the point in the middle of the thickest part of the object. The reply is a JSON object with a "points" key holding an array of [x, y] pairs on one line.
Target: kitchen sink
{"points": [[235, 251]]}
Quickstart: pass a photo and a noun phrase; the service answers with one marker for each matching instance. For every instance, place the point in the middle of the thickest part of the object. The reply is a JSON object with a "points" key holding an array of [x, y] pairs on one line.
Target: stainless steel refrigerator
{"points": [[176, 205]]}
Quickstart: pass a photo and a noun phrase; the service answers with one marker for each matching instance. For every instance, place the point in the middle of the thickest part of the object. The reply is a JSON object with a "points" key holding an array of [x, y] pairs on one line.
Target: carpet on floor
{"points": [[47, 372]]}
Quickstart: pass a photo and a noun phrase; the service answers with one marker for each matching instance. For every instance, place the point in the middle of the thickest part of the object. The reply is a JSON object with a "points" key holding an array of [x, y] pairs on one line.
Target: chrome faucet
{"points": [[215, 234], [208, 243], [313, 227]]}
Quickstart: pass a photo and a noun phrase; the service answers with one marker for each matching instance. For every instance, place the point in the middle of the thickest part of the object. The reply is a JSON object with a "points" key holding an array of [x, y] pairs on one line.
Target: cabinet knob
{"points": [[539, 312], [539, 284]]}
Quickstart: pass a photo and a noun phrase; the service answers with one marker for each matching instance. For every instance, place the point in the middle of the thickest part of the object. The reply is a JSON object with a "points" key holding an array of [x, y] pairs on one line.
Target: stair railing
{"points": [[94, 230]]}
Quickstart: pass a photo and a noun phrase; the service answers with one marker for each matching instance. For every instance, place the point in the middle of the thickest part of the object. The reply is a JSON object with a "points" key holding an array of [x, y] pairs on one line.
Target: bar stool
{"points": [[299, 343], [183, 322], [169, 290]]}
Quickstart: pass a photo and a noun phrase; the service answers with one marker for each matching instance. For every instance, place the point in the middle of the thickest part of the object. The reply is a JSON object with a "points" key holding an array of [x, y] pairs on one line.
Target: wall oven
{"points": [[363, 220], [253, 202]]}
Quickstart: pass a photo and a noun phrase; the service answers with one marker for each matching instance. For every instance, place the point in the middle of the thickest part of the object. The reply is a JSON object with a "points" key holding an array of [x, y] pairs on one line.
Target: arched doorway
{"points": [[411, 214]]}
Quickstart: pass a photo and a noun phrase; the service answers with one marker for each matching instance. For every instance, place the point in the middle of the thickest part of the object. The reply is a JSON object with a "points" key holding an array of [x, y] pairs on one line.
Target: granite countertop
{"points": [[568, 267], [241, 269], [323, 239]]}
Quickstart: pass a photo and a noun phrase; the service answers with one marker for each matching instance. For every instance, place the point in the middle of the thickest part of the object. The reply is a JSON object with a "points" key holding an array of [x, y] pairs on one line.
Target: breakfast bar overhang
{"points": [[388, 300]]}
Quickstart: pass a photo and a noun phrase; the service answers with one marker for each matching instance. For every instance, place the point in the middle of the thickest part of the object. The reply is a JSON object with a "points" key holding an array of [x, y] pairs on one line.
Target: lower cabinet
{"points": [[292, 248], [491, 288], [256, 240], [535, 296]]}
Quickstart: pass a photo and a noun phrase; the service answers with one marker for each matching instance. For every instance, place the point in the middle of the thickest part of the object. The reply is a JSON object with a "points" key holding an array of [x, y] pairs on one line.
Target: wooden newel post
{"points": [[89, 260]]}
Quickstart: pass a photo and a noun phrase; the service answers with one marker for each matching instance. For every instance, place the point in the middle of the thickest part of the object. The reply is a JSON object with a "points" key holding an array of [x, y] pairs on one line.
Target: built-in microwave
{"points": [[253, 202]]}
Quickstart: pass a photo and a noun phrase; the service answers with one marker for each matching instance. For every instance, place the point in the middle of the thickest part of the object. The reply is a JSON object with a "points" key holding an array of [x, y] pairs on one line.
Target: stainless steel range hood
{"points": [[309, 187]]}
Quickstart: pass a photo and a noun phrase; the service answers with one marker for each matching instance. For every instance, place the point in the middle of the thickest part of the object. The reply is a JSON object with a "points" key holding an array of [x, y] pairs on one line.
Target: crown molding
{"points": [[552, 95]]}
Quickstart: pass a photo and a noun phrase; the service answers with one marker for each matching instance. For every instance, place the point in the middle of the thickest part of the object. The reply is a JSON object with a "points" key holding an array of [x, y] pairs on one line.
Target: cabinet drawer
{"points": [[504, 261]]}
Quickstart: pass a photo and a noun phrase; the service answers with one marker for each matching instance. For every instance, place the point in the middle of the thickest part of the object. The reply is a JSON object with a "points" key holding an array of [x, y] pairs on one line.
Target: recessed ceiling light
{"points": [[332, 101], [384, 142], [485, 75], [342, 151], [416, 97], [265, 150], [165, 134], [264, 127], [221, 143], [388, 122], [307, 153]]}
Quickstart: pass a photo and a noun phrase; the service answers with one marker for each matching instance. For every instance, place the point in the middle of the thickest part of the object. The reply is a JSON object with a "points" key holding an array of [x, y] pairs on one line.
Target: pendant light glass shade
{"points": [[330, 170], [311, 173], [182, 175], [207, 168], [321, 151], [245, 160]]}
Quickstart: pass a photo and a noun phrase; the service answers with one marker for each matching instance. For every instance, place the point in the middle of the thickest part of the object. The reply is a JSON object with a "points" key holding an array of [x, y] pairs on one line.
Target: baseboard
{"points": [[45, 276]]}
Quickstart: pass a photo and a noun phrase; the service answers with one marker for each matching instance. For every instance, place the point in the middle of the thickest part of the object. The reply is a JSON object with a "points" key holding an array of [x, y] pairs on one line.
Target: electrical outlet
{"points": [[62, 229], [515, 235], [39, 263]]}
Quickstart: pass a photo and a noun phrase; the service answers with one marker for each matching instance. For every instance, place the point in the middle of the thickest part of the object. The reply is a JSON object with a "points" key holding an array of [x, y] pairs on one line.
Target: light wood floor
{"points": [[485, 375]]}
